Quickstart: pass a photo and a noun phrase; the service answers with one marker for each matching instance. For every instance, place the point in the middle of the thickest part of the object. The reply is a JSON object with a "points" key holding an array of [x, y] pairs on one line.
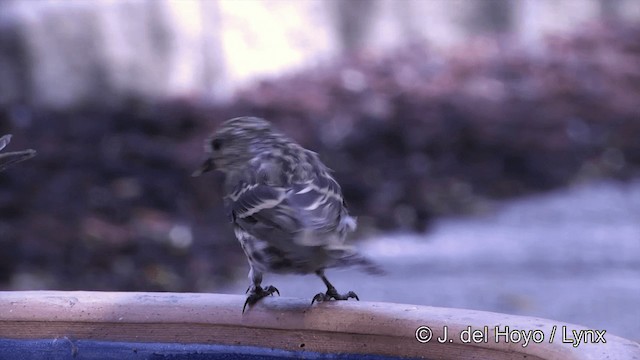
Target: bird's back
{"points": [[288, 209]]}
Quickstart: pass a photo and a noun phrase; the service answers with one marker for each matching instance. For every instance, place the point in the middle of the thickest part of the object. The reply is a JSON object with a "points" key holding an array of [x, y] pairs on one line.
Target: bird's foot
{"points": [[257, 293], [332, 293]]}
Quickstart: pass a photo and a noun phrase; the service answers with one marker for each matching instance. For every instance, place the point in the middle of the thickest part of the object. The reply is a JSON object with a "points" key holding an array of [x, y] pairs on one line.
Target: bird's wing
{"points": [[4, 141], [320, 202], [9, 158], [263, 205], [309, 213]]}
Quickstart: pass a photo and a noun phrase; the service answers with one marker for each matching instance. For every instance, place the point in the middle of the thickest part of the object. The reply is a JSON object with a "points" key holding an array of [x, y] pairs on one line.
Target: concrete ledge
{"points": [[288, 324]]}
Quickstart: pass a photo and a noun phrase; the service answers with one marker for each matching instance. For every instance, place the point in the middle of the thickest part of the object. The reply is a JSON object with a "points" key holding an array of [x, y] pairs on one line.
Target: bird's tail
{"points": [[347, 257]]}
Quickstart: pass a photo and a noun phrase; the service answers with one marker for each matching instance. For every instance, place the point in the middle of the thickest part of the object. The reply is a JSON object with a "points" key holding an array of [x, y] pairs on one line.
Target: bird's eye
{"points": [[216, 144]]}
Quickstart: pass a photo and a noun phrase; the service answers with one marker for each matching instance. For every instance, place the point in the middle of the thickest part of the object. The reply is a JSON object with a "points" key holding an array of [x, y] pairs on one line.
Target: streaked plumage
{"points": [[288, 211]]}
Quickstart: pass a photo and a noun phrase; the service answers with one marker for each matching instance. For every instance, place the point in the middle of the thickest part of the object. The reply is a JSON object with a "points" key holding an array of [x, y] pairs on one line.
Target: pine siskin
{"points": [[287, 210]]}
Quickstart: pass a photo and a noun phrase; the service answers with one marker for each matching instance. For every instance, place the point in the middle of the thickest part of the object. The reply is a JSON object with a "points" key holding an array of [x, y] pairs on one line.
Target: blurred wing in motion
{"points": [[10, 158], [4, 141]]}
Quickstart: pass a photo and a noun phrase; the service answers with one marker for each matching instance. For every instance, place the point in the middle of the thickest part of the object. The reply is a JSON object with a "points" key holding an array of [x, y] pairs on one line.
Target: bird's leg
{"points": [[331, 293], [257, 292]]}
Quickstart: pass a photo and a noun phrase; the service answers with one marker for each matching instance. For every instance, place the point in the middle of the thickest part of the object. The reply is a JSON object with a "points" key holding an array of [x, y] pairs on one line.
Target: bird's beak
{"points": [[206, 166]]}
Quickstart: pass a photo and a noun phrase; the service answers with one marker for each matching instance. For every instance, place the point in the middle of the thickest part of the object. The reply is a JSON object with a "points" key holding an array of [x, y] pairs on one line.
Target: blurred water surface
{"points": [[569, 255]]}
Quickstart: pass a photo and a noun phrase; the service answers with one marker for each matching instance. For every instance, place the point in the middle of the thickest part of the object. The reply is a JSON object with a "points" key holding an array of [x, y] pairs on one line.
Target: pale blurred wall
{"points": [[59, 53]]}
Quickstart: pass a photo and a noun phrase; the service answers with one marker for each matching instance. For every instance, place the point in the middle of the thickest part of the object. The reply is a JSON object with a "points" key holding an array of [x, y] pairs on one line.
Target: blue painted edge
{"points": [[65, 348]]}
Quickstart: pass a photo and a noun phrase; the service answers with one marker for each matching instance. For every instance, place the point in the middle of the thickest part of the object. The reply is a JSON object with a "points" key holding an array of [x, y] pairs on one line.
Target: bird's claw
{"points": [[272, 289], [332, 293], [257, 294]]}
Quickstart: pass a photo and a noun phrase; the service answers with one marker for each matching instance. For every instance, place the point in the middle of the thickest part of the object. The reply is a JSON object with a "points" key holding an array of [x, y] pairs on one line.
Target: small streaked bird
{"points": [[10, 158], [287, 210]]}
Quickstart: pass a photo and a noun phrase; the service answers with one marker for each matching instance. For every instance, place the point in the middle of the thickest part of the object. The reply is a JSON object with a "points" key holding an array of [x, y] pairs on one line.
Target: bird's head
{"points": [[234, 144]]}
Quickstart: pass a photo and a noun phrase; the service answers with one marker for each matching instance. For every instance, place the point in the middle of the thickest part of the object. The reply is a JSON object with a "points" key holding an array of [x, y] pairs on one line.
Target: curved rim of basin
{"points": [[293, 324]]}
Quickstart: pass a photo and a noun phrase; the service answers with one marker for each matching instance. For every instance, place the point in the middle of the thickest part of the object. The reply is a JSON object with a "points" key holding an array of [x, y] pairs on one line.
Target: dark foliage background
{"points": [[411, 135]]}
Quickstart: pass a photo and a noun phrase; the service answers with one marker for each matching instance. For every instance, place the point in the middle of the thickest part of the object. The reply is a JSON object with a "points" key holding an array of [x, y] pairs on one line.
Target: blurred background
{"points": [[490, 148]]}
